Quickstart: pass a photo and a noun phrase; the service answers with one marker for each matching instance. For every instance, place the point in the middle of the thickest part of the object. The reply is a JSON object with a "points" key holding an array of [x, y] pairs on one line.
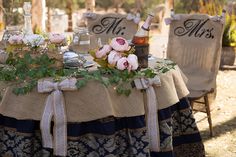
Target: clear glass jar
{"points": [[81, 37], [11, 30]]}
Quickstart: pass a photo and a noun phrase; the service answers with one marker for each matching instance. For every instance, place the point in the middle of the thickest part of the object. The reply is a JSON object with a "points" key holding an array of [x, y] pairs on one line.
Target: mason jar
{"points": [[81, 37]]}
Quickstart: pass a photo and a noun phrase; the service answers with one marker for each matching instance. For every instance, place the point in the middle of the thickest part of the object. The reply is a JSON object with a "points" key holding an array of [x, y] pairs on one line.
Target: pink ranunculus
{"points": [[56, 38], [133, 62], [113, 57], [119, 44], [103, 51], [122, 63], [16, 39]]}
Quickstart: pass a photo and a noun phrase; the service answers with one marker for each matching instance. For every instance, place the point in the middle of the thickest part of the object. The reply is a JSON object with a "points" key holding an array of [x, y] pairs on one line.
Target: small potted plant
{"points": [[229, 41]]}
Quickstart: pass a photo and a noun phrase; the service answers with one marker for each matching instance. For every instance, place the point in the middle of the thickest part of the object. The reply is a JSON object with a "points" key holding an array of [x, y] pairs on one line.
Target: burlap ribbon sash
{"points": [[55, 107], [216, 18], [172, 18], [152, 112]]}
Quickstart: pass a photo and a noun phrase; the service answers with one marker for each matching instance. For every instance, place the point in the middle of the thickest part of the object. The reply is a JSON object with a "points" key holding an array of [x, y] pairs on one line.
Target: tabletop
{"points": [[101, 123]]}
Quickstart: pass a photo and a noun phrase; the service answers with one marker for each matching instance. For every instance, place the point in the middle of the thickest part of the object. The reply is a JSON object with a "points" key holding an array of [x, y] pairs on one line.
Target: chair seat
{"points": [[197, 94]]}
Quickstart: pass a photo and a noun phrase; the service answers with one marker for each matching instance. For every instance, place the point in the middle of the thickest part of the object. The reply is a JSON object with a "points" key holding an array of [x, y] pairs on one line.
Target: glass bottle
{"points": [[27, 18], [81, 38], [142, 35]]}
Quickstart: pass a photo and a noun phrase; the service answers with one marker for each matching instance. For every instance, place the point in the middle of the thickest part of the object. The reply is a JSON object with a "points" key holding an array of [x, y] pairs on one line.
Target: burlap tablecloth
{"points": [[95, 101]]}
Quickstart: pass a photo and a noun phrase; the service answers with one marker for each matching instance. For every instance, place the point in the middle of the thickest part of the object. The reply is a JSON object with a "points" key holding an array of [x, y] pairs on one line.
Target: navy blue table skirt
{"points": [[109, 137]]}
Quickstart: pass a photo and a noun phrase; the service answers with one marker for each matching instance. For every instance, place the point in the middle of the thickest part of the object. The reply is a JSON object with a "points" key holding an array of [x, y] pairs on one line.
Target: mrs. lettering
{"points": [[194, 28]]}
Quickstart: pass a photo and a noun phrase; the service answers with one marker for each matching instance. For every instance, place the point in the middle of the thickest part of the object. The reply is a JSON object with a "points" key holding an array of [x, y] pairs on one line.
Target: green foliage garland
{"points": [[24, 73]]}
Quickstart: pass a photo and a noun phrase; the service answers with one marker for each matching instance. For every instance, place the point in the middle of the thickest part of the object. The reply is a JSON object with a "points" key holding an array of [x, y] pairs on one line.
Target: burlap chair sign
{"points": [[107, 26], [195, 45]]}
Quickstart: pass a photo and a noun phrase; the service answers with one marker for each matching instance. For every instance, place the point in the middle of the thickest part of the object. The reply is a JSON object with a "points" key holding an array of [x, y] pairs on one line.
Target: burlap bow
{"points": [[55, 106], [172, 18], [90, 15], [218, 18], [131, 17], [152, 112]]}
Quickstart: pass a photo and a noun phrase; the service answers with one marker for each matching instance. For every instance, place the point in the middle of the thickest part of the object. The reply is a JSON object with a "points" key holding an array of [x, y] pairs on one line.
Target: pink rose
{"points": [[113, 57], [119, 44], [16, 39], [103, 51], [56, 38], [133, 62], [122, 63]]}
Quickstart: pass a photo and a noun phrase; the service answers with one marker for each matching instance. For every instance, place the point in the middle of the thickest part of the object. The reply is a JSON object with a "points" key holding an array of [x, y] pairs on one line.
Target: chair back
{"points": [[108, 26], [195, 45]]}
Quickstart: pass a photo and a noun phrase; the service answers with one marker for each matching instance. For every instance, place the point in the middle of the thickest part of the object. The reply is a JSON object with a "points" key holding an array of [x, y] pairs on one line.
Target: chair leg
{"points": [[191, 103], [207, 106]]}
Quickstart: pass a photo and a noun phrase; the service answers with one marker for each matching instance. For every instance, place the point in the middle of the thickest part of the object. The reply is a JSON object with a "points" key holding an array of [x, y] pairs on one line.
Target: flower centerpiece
{"points": [[37, 45], [16, 39], [15, 43], [118, 54], [117, 63], [19, 44], [34, 41], [57, 40]]}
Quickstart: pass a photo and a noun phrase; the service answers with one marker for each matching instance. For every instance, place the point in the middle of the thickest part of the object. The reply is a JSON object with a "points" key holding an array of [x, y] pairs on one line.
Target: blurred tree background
{"points": [[13, 14]]}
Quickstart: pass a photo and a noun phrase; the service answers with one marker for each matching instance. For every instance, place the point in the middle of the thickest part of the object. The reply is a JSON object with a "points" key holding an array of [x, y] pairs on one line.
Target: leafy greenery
{"points": [[229, 35], [163, 66], [24, 73]]}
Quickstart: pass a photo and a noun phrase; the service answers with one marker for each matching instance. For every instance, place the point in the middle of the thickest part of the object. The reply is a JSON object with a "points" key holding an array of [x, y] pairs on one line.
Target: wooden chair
{"points": [[195, 45]]}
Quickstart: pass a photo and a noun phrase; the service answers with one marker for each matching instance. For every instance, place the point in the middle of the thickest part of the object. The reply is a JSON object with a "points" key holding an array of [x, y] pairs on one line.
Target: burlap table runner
{"points": [[195, 45], [95, 101]]}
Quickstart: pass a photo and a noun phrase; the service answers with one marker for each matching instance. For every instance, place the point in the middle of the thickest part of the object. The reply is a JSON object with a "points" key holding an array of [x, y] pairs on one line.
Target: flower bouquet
{"points": [[15, 43], [56, 41], [37, 45], [118, 54], [19, 44]]}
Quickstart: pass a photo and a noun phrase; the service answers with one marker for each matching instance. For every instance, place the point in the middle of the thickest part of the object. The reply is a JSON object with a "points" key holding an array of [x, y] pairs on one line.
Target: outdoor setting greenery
{"points": [[23, 73]]}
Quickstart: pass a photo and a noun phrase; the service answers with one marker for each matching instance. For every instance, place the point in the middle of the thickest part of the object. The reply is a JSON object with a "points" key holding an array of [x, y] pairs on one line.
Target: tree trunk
{"points": [[117, 4], [139, 4], [90, 5], [169, 4], [49, 19], [38, 14], [1, 16], [69, 12]]}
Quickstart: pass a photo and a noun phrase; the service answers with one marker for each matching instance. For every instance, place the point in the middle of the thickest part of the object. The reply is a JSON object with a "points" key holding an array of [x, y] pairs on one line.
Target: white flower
{"points": [[113, 57], [133, 62], [122, 63], [16, 39], [119, 44], [56, 38], [103, 51], [33, 40]]}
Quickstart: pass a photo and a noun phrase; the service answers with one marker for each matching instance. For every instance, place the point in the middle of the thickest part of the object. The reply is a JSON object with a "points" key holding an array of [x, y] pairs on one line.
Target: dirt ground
{"points": [[223, 144]]}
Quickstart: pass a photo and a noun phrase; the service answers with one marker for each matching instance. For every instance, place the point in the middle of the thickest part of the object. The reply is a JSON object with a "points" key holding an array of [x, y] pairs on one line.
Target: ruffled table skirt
{"points": [[109, 137]]}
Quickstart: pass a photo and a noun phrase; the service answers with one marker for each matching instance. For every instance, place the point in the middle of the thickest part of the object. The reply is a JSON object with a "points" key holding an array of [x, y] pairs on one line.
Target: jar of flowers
{"points": [[229, 41]]}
